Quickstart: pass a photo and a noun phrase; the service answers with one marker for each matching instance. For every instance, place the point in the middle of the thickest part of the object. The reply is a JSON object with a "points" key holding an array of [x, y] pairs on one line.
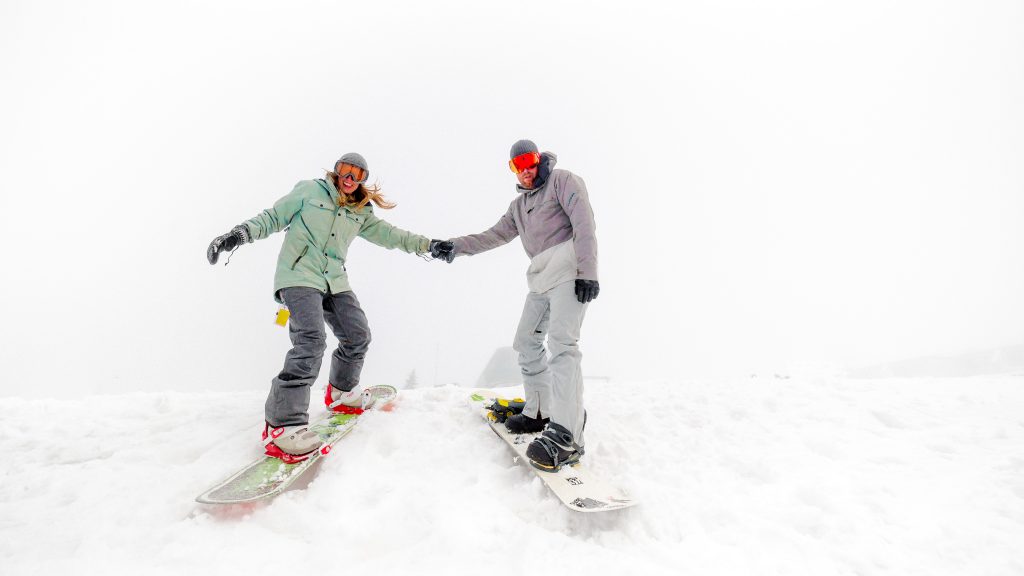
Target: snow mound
{"points": [[746, 476]]}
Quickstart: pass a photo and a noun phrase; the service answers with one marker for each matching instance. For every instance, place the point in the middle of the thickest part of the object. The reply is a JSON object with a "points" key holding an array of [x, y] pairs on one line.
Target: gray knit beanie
{"points": [[522, 147], [355, 160]]}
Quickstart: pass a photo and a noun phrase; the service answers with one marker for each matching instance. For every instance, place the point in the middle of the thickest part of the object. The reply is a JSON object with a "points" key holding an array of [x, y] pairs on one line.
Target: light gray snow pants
{"points": [[554, 387], [288, 401]]}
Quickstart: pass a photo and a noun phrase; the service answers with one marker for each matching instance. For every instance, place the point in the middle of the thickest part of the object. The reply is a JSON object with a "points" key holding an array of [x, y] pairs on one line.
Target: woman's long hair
{"points": [[361, 197]]}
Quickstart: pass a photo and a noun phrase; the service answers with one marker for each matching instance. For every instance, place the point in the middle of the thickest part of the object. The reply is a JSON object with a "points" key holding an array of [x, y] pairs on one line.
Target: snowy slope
{"points": [[751, 476]]}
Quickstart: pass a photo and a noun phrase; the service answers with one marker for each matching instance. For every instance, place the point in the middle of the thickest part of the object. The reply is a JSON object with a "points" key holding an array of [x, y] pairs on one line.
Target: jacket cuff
{"points": [[243, 232]]}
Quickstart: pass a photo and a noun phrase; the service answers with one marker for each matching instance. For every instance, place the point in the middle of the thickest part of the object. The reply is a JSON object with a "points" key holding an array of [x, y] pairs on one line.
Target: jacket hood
{"points": [[547, 164]]}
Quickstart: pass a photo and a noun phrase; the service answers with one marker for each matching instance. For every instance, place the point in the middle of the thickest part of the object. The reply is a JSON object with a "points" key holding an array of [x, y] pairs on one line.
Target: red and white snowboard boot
{"points": [[290, 443], [352, 402]]}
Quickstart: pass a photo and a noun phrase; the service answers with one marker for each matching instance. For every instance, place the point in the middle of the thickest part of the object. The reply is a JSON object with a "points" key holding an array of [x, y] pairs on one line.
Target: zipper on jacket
{"points": [[304, 250]]}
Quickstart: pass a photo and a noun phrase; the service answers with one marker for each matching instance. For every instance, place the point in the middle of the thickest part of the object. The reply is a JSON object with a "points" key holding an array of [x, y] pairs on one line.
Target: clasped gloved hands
{"points": [[442, 250]]}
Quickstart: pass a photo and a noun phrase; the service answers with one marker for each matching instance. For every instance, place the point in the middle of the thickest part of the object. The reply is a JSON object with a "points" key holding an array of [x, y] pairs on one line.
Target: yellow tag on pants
{"points": [[282, 316]]}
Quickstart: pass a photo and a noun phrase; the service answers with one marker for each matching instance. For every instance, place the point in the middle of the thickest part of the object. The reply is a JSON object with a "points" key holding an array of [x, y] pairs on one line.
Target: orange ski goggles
{"points": [[524, 162], [355, 173]]}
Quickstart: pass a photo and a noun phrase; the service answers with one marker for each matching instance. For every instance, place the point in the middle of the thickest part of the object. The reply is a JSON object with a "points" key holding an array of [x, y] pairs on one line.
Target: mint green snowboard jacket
{"points": [[318, 233]]}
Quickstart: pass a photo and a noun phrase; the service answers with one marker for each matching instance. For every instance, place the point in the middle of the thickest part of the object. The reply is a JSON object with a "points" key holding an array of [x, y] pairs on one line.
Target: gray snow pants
{"points": [[288, 401], [554, 387]]}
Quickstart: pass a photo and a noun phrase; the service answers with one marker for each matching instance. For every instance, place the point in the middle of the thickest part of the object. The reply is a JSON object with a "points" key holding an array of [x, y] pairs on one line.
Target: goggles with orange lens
{"points": [[524, 162], [355, 173]]}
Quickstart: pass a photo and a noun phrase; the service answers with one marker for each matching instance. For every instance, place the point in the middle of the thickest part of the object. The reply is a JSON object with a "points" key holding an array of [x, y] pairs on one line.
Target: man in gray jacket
{"points": [[552, 216]]}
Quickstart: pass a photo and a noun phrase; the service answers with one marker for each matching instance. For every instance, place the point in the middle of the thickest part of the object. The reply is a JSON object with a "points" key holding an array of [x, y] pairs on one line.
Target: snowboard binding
{"points": [[554, 448], [503, 409], [271, 436]]}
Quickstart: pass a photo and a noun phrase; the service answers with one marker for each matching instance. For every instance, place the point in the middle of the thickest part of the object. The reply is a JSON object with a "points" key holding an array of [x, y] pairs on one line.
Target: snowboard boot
{"points": [[553, 449], [290, 443], [523, 424], [354, 401]]}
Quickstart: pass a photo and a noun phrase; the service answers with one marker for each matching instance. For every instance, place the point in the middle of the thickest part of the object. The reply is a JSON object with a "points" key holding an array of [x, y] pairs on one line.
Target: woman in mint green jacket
{"points": [[320, 219]]}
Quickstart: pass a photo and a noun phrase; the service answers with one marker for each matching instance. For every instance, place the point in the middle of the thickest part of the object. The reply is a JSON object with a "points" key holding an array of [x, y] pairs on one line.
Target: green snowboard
{"points": [[268, 476]]}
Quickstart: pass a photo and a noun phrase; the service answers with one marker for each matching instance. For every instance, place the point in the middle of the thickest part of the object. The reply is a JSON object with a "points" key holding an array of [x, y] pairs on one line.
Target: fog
{"points": [[778, 187]]}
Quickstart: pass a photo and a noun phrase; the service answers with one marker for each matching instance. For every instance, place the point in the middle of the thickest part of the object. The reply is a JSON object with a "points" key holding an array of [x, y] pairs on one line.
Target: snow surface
{"points": [[760, 476]]}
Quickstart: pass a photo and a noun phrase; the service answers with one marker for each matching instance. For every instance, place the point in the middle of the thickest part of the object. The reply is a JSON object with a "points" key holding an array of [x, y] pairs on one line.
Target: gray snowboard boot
{"points": [[290, 443], [354, 401]]}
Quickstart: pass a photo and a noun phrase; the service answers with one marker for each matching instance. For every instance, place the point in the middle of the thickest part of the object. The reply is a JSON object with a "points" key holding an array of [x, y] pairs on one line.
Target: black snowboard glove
{"points": [[442, 250], [227, 242], [586, 290]]}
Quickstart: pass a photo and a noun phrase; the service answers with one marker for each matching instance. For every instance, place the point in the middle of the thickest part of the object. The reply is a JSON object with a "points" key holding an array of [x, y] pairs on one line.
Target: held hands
{"points": [[227, 242], [442, 250], [586, 290]]}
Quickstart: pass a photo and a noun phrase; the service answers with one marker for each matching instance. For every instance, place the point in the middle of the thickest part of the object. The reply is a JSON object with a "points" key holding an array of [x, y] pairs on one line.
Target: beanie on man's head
{"points": [[522, 147], [355, 160]]}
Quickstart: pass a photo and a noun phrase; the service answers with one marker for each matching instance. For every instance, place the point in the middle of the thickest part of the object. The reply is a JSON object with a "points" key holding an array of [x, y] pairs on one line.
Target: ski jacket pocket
{"points": [[301, 254]]}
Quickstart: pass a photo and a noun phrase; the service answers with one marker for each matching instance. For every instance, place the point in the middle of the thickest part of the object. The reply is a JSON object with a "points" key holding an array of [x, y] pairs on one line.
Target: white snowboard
{"points": [[574, 485]]}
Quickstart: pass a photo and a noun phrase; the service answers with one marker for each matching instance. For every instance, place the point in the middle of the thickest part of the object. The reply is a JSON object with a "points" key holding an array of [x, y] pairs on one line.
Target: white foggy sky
{"points": [[776, 186]]}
